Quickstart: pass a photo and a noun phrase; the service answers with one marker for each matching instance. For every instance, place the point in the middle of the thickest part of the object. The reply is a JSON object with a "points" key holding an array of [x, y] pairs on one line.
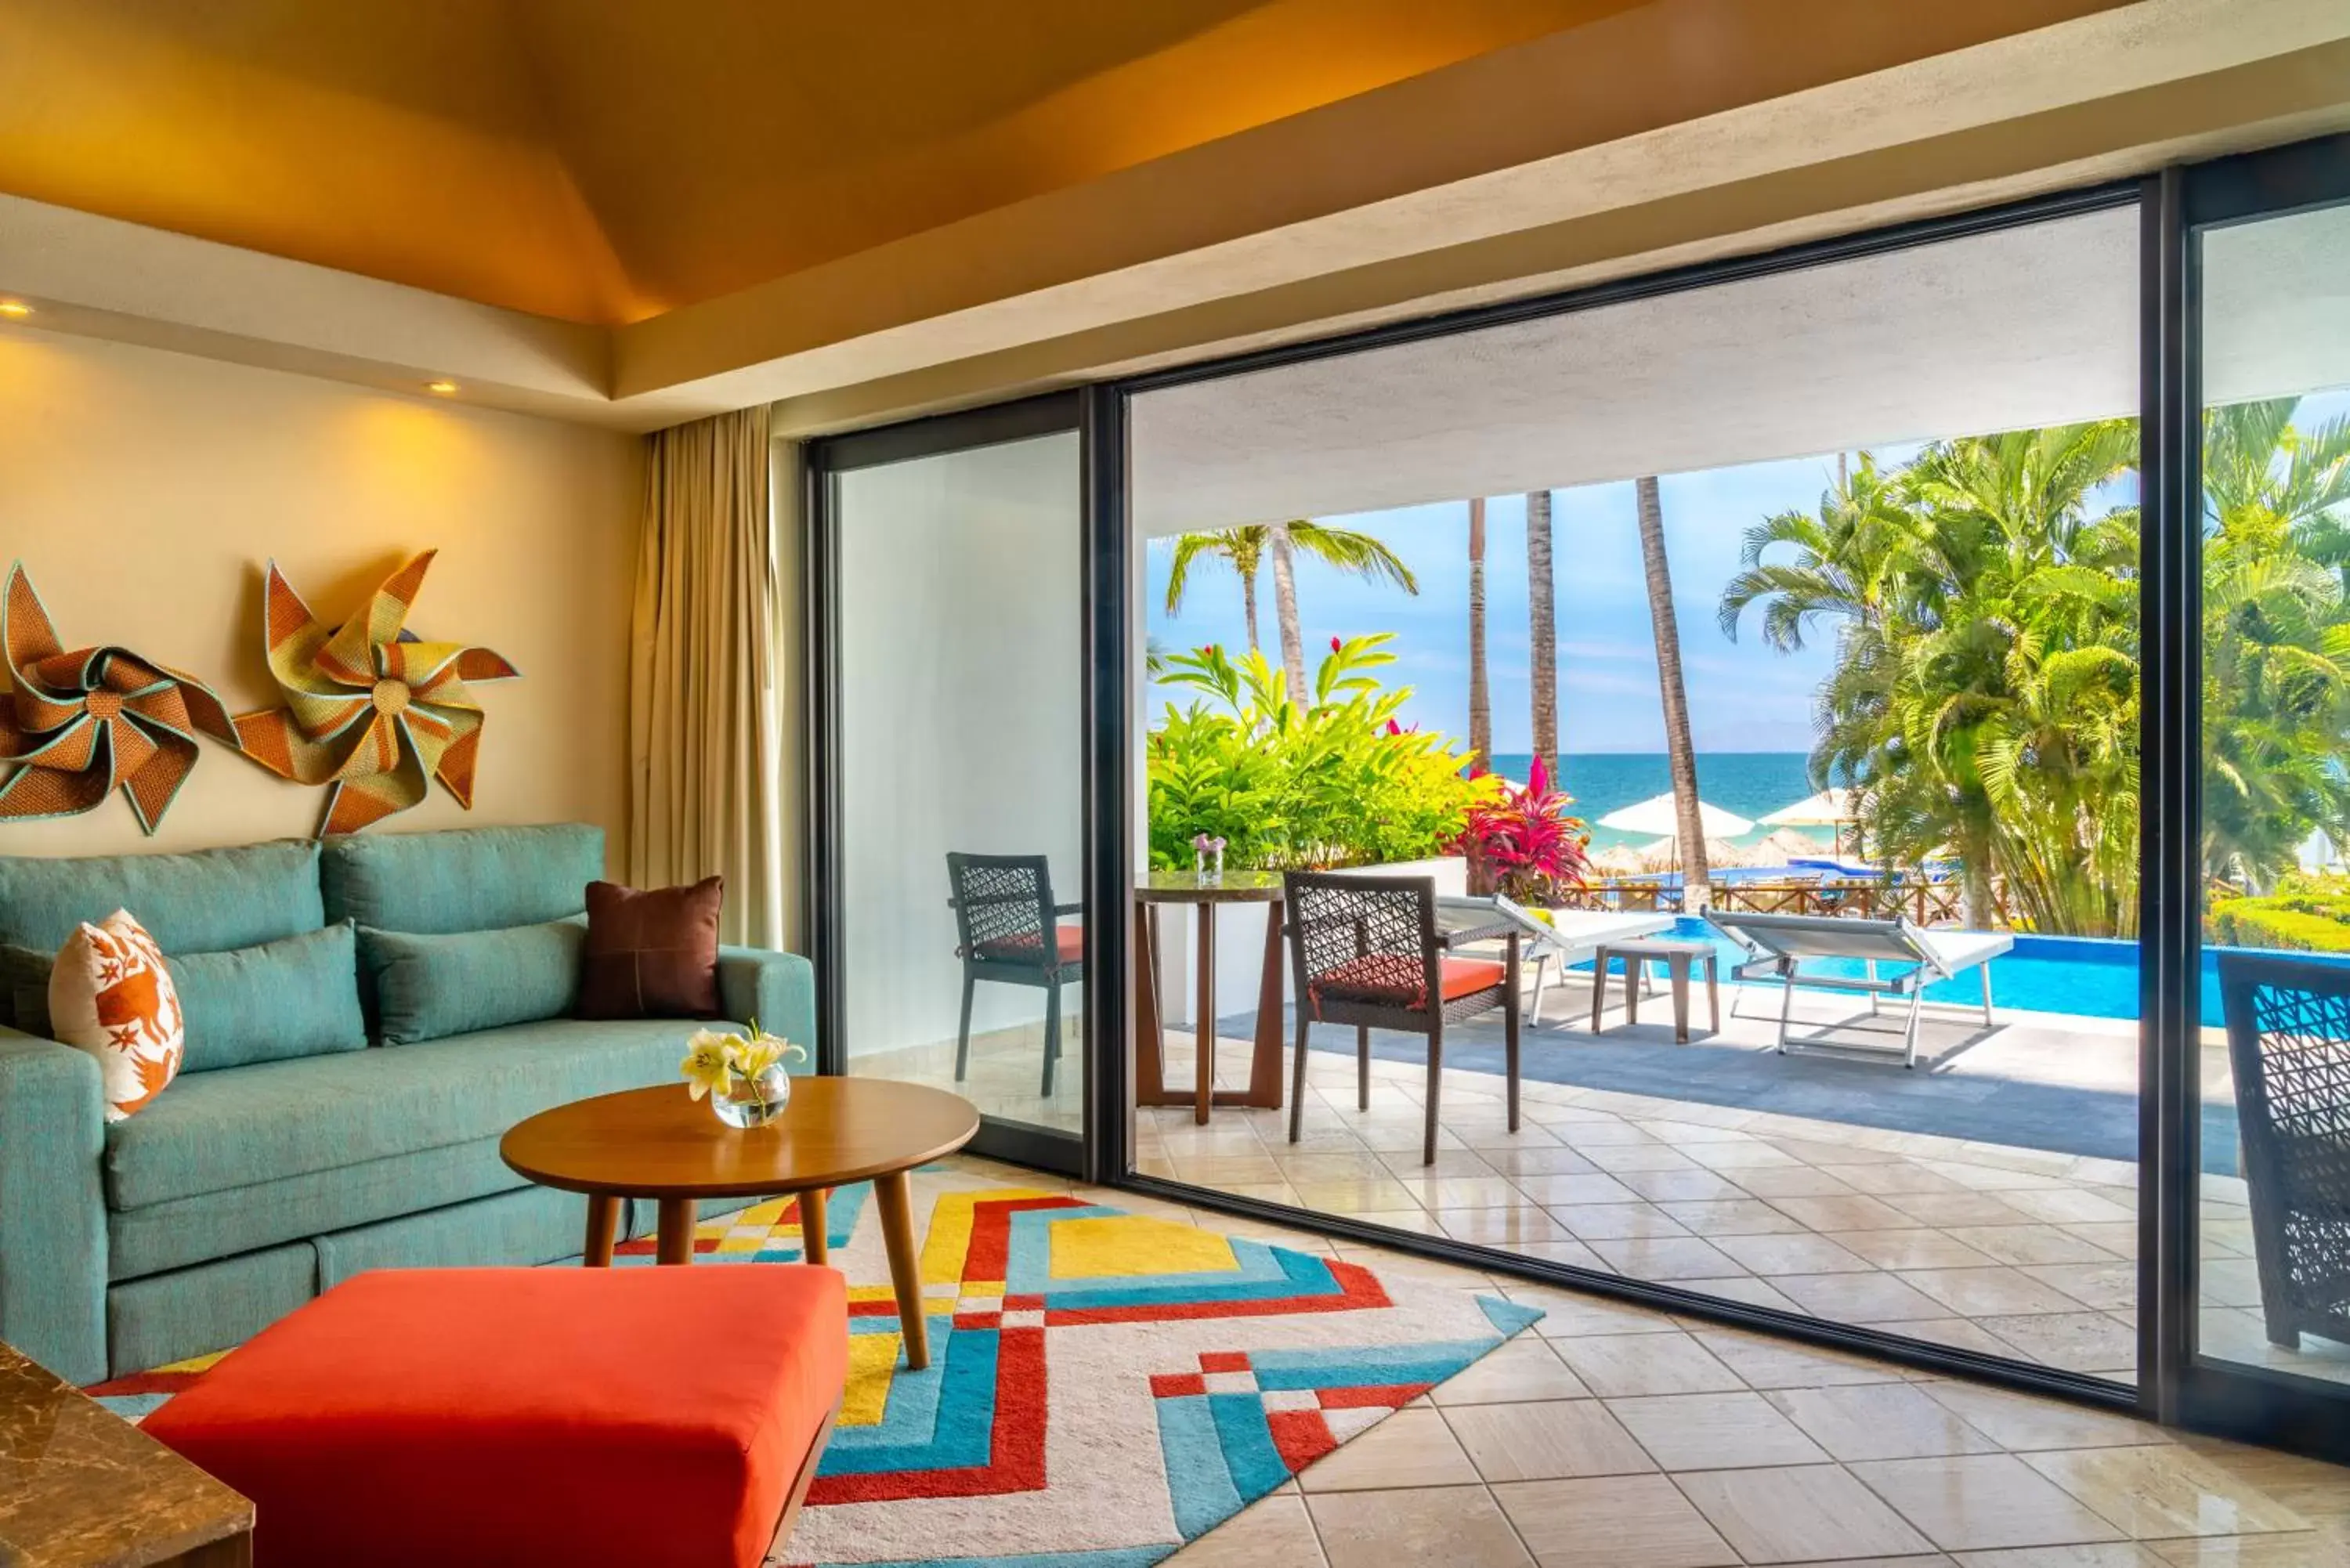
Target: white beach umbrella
{"points": [[1656, 815], [1829, 808]]}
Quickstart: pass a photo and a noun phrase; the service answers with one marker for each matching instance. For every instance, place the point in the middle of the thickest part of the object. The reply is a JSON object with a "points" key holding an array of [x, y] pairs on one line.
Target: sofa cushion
{"points": [[111, 995], [470, 879], [431, 987], [184, 1230], [221, 1130], [207, 901], [652, 953], [25, 988], [298, 996]]}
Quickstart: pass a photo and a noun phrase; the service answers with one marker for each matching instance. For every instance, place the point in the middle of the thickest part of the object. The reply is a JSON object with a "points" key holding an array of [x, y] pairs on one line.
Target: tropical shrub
{"points": [[1524, 846], [2294, 925], [1338, 781], [1984, 702]]}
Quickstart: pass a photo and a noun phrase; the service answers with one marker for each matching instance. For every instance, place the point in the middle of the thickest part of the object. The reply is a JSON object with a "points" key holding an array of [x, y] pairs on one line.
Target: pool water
{"points": [[2092, 977]]}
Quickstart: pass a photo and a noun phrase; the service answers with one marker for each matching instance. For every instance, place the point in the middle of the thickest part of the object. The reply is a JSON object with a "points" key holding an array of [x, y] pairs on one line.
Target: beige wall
{"points": [[144, 491]]}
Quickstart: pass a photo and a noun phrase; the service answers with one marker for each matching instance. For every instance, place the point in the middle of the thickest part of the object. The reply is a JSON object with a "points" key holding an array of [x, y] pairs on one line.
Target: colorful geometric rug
{"points": [[1103, 1386]]}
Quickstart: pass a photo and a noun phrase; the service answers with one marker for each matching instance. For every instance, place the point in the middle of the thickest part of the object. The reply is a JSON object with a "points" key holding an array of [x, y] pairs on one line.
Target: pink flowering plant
{"points": [[1335, 780], [1522, 844]]}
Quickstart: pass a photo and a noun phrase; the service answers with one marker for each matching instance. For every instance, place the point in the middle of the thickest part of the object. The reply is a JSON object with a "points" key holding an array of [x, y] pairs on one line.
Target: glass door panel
{"points": [[958, 776], [2272, 1254]]}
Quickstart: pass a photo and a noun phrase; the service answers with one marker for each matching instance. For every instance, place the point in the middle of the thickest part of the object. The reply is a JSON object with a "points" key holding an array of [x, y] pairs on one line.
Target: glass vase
{"points": [[755, 1102]]}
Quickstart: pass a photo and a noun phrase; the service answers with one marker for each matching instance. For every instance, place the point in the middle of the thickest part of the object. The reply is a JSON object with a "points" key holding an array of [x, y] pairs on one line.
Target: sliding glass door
{"points": [[2267, 1074], [1840, 543], [950, 770]]}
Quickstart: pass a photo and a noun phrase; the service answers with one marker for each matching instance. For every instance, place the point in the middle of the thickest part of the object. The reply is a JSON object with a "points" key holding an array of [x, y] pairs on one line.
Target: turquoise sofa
{"points": [[251, 1185]]}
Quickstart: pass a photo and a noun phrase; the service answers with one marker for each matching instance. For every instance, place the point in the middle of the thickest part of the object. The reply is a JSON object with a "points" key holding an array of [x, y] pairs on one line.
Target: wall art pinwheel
{"points": [[370, 709], [75, 725]]}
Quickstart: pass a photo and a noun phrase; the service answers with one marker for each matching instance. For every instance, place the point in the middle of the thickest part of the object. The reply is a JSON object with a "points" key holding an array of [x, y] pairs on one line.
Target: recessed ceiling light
{"points": [[441, 388], [15, 309]]}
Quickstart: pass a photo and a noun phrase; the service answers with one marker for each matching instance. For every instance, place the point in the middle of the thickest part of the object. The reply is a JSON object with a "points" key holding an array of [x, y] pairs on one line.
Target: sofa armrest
{"points": [[777, 989], [52, 1209]]}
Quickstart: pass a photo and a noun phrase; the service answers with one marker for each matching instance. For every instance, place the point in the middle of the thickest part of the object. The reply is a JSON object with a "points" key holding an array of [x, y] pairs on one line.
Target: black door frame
{"points": [[2175, 1385], [826, 458], [2261, 1404], [1115, 1157]]}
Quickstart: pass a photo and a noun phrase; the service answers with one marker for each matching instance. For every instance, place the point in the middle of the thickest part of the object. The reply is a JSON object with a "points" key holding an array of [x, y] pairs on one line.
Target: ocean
{"points": [[1750, 783]]}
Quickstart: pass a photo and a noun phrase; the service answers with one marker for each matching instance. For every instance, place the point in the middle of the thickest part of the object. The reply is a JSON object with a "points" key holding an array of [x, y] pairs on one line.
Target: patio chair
{"points": [[1370, 951], [2288, 1041], [1778, 947], [1008, 931]]}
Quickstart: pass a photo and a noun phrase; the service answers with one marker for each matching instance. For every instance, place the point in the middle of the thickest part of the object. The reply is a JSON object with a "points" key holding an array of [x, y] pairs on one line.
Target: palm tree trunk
{"points": [[1481, 697], [1248, 606], [1697, 891], [1285, 610], [1542, 608]]}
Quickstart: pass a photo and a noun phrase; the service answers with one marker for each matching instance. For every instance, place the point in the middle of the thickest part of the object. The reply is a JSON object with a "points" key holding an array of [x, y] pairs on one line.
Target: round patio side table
{"points": [[1151, 1089]]}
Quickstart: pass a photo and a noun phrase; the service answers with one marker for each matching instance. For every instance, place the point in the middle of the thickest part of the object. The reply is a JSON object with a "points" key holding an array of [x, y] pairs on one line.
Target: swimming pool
{"points": [[2093, 977]]}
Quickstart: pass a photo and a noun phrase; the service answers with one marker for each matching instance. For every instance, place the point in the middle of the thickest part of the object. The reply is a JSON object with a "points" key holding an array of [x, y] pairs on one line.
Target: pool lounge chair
{"points": [[1567, 935], [1779, 946]]}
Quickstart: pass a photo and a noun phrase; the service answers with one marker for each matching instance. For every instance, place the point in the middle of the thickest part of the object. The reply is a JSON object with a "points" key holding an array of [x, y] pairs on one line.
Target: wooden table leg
{"points": [[1150, 1032], [1509, 1025], [814, 1241], [603, 1225], [905, 1269], [675, 1243], [1206, 1008], [1264, 1067]]}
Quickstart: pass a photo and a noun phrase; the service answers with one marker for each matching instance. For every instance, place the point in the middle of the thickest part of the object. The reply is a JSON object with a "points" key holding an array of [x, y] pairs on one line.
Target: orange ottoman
{"points": [[580, 1417]]}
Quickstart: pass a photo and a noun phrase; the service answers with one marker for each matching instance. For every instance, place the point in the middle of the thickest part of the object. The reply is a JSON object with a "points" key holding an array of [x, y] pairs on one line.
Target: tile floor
{"points": [[2017, 1253], [2014, 1251], [1615, 1437]]}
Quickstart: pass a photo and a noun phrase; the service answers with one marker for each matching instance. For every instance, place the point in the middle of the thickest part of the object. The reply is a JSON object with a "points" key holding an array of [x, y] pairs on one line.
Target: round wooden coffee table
{"points": [[663, 1143]]}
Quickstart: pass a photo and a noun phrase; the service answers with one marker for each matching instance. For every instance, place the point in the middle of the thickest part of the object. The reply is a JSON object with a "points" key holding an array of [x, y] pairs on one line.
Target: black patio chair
{"points": [[1008, 931], [2288, 1041], [1368, 951]]}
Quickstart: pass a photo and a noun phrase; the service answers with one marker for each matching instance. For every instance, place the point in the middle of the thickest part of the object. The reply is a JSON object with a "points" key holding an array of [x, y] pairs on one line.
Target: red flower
{"points": [[1335, 647]]}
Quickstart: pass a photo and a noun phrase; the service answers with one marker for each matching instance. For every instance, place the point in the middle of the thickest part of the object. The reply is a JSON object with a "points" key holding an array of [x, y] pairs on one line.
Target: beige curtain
{"points": [[704, 785]]}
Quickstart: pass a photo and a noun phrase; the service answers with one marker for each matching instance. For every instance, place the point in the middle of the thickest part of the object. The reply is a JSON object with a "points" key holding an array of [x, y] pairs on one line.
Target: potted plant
{"points": [[744, 1077]]}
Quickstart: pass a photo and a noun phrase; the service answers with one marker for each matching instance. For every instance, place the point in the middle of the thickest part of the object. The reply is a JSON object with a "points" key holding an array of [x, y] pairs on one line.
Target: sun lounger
{"points": [[1780, 946], [1565, 935]]}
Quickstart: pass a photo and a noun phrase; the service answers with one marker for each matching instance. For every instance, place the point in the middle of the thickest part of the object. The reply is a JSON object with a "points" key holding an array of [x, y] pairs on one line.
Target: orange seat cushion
{"points": [[646, 1417], [1068, 943], [1398, 979]]}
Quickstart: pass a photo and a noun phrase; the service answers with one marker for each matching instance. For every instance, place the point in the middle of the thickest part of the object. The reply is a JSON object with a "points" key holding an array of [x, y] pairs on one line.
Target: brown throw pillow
{"points": [[652, 954]]}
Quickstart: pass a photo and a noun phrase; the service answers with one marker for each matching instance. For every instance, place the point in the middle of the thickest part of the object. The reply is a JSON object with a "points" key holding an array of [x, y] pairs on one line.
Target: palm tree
{"points": [[1541, 609], [1984, 699], [1681, 751], [1246, 548], [1481, 697]]}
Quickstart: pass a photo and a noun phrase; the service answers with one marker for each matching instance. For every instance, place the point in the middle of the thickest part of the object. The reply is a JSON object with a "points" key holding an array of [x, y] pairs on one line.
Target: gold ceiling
{"points": [[605, 161]]}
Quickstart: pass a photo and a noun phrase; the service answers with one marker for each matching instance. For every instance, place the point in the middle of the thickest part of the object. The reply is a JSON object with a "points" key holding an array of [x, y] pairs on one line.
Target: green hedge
{"points": [[2296, 925]]}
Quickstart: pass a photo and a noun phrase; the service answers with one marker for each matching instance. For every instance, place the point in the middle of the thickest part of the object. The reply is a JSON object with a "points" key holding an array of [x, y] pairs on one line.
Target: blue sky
{"points": [[1743, 696]]}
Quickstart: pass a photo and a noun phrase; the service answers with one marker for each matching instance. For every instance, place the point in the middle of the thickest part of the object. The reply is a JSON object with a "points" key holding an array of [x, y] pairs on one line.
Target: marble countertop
{"points": [[81, 1488]]}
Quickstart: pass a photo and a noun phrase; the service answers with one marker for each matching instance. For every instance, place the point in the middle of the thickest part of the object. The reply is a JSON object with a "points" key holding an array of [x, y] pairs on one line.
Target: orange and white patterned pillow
{"points": [[111, 995]]}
